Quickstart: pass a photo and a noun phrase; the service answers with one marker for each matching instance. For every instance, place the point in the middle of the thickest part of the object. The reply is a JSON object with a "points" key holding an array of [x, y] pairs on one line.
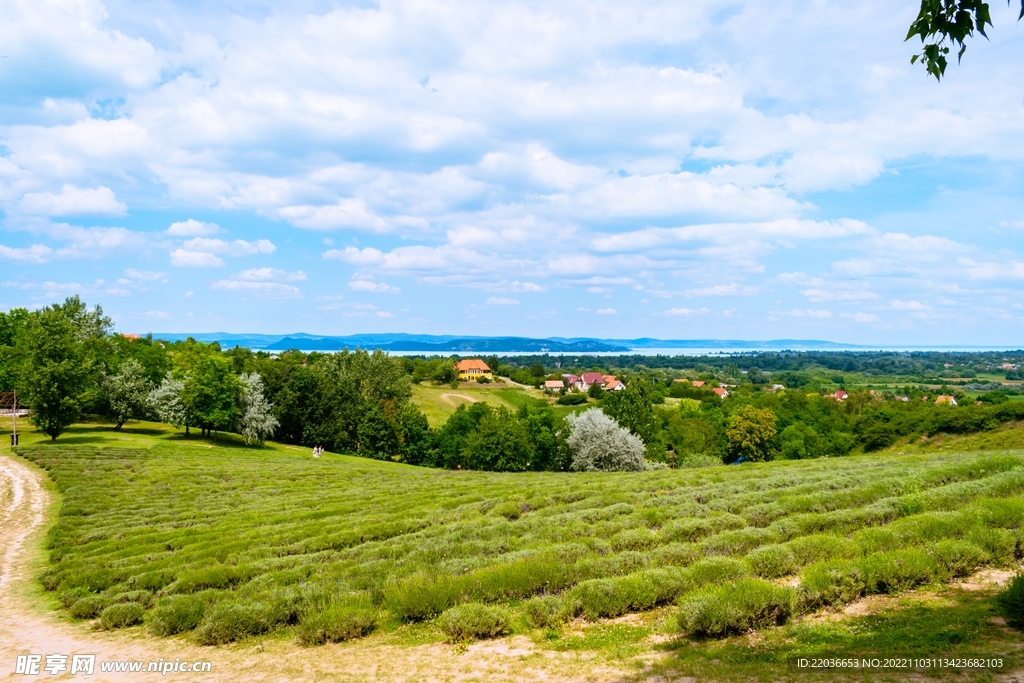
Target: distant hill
{"points": [[440, 344]]}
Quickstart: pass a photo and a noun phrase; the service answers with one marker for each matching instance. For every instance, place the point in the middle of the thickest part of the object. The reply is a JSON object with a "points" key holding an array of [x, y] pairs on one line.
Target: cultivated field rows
{"points": [[227, 543]]}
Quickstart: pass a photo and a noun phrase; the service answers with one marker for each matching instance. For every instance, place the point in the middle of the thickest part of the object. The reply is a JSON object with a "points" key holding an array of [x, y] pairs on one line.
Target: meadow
{"points": [[219, 542], [439, 402]]}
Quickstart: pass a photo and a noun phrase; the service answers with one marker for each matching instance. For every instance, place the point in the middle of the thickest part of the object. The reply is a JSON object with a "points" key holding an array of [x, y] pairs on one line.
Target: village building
{"points": [[722, 392], [948, 400], [472, 369], [613, 384], [554, 385]]}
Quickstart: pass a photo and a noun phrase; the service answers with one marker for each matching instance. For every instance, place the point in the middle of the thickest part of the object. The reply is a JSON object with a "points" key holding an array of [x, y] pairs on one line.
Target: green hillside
{"points": [[225, 542]]}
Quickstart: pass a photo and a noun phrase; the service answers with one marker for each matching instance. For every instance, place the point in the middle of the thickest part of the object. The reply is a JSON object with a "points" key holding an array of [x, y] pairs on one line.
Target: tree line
{"points": [[65, 363]]}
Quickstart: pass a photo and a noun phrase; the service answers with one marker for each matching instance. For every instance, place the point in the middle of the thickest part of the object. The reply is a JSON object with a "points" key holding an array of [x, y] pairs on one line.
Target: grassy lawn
{"points": [[252, 541], [438, 402], [1007, 437]]}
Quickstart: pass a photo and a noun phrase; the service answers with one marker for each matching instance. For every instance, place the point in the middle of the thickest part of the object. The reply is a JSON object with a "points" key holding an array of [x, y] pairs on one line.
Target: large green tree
{"points": [[945, 24], [751, 434], [501, 443], [211, 391], [631, 408], [13, 324], [60, 350]]}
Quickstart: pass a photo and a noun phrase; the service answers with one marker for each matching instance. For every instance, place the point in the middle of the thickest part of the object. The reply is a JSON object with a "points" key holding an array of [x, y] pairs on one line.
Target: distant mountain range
{"points": [[440, 344]]}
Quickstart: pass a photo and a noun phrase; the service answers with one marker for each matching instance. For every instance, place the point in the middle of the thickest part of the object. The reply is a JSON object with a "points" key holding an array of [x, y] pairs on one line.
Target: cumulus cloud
{"points": [[269, 290], [37, 253], [263, 274], [501, 301], [861, 317], [73, 201], [192, 228], [362, 285], [145, 275], [534, 149], [203, 252], [606, 311], [183, 258]]}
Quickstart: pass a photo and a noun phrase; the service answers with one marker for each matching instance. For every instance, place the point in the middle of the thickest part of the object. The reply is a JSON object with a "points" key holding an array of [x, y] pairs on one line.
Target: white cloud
{"points": [[861, 317], [269, 290], [501, 301], [686, 312], [346, 213], [73, 201], [159, 315], [145, 275], [192, 228], [810, 313], [203, 252], [183, 258], [235, 248], [260, 274], [370, 286], [731, 289], [37, 253], [912, 305], [606, 311]]}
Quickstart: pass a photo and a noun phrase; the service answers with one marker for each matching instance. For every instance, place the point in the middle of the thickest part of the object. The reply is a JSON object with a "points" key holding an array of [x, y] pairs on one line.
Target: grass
{"points": [[953, 624], [223, 542], [438, 402], [1007, 437]]}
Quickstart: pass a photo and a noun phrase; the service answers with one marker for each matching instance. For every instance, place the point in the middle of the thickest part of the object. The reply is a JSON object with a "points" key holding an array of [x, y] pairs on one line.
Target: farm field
{"points": [[211, 542]]}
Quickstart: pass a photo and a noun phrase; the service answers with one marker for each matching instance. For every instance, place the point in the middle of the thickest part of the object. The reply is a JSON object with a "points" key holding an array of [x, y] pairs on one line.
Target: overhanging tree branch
{"points": [[942, 24]]}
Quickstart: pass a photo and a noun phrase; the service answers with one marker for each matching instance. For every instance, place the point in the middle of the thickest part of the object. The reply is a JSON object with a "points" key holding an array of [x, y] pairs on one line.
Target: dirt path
{"points": [[27, 627]]}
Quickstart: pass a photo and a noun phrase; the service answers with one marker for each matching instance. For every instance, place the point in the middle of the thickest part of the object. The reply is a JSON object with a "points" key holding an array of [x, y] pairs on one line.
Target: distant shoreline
{"points": [[433, 345]]}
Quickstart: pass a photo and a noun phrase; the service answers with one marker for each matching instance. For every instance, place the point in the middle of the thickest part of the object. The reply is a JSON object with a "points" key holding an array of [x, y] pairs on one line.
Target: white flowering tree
{"points": [[128, 393], [256, 423], [598, 443], [166, 401]]}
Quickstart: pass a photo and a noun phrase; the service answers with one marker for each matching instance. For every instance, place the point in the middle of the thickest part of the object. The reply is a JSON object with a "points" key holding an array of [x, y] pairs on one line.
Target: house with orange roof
{"points": [[721, 391], [697, 383], [948, 400], [613, 384], [473, 369], [554, 385]]}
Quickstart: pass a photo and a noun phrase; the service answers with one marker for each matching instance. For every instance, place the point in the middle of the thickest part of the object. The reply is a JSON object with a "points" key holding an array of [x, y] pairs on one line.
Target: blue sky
{"points": [[742, 170]]}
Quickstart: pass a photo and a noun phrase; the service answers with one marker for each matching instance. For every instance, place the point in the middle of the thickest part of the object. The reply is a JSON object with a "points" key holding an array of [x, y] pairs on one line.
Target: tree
{"points": [[632, 409], [128, 393], [380, 432], [57, 364], [500, 443], [12, 325], [417, 439], [942, 24], [751, 434], [453, 435], [166, 401], [257, 421], [598, 443], [211, 391], [595, 391]]}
